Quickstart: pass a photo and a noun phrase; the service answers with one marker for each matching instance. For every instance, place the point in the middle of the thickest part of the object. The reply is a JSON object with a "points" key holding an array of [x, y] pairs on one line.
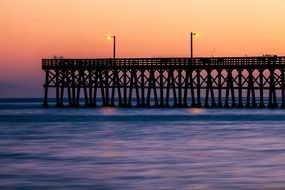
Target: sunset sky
{"points": [[35, 29]]}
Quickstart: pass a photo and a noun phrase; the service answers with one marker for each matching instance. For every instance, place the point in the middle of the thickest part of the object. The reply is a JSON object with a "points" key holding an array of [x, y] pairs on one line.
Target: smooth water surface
{"points": [[111, 148]]}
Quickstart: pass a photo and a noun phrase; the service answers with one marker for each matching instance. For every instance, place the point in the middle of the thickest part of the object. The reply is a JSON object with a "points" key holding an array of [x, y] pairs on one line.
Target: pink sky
{"points": [[35, 29]]}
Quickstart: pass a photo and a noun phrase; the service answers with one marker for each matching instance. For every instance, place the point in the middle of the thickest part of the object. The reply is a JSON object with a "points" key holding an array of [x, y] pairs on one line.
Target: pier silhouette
{"points": [[224, 82]]}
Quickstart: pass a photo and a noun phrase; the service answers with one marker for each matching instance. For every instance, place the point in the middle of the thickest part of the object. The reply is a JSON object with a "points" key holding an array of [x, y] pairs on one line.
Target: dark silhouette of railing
{"points": [[249, 82]]}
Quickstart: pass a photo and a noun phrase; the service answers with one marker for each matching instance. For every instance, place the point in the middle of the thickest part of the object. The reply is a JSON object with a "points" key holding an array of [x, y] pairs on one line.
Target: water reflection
{"points": [[180, 153], [196, 110], [108, 110]]}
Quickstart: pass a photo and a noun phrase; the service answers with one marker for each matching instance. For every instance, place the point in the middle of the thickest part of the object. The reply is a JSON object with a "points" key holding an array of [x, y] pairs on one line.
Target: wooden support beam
{"points": [[240, 86], [198, 88], [230, 89], [142, 104], [46, 86], [193, 98], [283, 87], [272, 93], [161, 87], [261, 88], [209, 86], [220, 87]]}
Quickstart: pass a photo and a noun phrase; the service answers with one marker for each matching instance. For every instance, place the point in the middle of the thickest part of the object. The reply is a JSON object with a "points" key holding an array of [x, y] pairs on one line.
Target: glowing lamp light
{"points": [[196, 34], [110, 37]]}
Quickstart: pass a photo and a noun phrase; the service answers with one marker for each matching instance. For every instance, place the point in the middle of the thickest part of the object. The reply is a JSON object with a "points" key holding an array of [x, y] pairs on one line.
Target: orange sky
{"points": [[33, 29]]}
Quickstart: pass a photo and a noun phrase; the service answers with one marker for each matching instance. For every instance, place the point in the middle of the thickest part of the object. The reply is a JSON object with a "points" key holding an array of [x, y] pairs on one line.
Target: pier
{"points": [[224, 82]]}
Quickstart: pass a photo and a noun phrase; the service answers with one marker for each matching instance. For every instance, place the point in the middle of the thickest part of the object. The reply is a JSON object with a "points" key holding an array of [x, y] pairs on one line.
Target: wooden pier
{"points": [[224, 82]]}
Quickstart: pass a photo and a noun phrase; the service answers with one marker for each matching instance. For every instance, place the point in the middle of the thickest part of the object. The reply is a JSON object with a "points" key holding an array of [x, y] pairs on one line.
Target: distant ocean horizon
{"points": [[138, 148]]}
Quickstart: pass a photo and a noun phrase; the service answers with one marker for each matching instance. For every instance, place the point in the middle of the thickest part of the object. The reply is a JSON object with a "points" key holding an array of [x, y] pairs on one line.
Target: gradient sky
{"points": [[35, 29]]}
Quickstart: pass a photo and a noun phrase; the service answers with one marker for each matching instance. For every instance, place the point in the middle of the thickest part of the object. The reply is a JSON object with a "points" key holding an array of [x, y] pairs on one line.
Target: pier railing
{"points": [[217, 61]]}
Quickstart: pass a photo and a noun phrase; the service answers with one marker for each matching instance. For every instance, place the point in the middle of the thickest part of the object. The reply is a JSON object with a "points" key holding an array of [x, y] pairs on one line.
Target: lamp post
{"points": [[114, 45], [191, 43]]}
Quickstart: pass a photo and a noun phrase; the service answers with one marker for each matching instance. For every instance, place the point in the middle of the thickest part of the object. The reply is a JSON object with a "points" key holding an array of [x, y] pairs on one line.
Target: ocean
{"points": [[140, 149]]}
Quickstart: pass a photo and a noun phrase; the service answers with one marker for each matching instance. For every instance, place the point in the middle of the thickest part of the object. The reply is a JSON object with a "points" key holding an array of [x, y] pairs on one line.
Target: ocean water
{"points": [[112, 148]]}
